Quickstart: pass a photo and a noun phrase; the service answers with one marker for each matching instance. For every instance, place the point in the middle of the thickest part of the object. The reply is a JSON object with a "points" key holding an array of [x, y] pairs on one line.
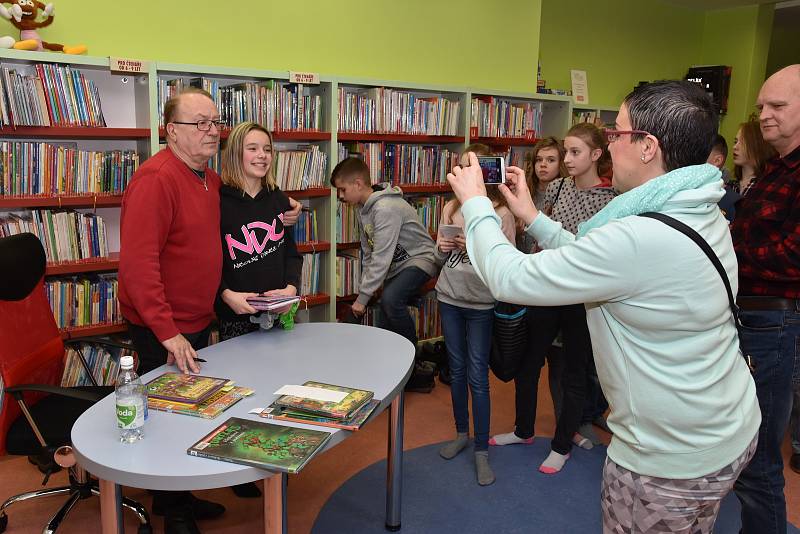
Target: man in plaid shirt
{"points": [[766, 236]]}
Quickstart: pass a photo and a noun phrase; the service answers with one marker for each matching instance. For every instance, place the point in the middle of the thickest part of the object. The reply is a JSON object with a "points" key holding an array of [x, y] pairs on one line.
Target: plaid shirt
{"points": [[766, 231]]}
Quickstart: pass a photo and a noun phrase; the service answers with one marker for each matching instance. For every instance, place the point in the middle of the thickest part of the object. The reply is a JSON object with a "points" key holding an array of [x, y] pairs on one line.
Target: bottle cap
{"points": [[126, 362]]}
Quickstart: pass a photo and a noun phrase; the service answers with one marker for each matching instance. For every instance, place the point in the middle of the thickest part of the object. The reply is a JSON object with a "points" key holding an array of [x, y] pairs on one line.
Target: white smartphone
{"points": [[449, 231], [494, 169]]}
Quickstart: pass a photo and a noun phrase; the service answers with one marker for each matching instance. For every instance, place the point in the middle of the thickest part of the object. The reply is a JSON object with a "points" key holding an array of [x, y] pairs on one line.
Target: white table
{"points": [[344, 354]]}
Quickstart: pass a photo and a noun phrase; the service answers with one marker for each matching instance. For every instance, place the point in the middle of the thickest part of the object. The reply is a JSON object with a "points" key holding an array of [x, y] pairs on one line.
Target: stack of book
{"points": [[348, 413], [65, 235], [199, 396]]}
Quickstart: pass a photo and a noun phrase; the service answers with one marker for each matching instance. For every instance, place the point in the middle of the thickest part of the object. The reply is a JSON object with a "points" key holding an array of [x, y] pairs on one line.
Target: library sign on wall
{"points": [[129, 66]]}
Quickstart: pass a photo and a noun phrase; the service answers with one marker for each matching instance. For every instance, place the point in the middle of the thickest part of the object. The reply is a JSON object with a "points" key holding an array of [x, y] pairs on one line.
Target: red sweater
{"points": [[170, 261]]}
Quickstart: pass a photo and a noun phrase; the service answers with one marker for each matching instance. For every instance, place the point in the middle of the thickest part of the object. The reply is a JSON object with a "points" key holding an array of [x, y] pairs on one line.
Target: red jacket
{"points": [[170, 261]]}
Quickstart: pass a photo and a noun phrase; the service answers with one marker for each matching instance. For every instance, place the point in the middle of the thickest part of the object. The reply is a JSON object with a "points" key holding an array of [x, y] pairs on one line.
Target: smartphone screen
{"points": [[494, 169]]}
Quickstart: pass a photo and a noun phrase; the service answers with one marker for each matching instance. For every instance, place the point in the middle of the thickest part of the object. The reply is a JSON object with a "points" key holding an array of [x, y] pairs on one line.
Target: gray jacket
{"points": [[392, 239]]}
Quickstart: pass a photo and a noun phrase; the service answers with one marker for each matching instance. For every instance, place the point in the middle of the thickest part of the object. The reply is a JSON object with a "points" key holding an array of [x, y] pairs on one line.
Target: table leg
{"points": [[394, 464], [275, 504], [111, 508]]}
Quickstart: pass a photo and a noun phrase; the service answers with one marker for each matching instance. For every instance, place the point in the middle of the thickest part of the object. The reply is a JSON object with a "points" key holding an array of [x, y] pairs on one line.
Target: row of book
{"points": [[425, 315], [429, 210], [519, 156], [30, 168], [499, 117], [55, 95], [403, 163], [84, 301], [309, 276], [305, 230], [301, 168], [103, 361], [278, 106], [66, 235], [347, 230], [348, 274], [385, 110]]}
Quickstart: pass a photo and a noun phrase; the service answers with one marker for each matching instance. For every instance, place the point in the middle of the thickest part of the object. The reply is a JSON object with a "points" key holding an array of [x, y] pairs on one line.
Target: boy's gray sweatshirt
{"points": [[392, 239]]}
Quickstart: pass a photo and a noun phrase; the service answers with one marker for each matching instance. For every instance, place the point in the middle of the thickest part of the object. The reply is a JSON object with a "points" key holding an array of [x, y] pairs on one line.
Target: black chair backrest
{"points": [[22, 265]]}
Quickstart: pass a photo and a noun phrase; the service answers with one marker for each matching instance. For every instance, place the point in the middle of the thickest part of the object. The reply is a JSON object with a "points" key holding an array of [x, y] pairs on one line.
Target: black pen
{"points": [[200, 360]]}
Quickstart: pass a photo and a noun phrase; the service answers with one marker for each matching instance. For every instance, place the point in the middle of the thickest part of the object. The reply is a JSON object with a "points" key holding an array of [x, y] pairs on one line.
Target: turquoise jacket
{"points": [[683, 403]]}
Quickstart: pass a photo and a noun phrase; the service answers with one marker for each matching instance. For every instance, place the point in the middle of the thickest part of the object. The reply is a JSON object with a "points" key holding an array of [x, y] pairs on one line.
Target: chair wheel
{"points": [[3, 522], [143, 529]]}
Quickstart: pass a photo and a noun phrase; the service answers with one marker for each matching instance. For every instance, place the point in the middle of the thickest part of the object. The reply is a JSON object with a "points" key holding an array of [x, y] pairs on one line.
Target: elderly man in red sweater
{"points": [[171, 261]]}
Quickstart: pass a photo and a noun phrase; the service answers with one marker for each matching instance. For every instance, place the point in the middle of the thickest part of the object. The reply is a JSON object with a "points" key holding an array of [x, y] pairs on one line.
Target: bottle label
{"points": [[130, 416]]}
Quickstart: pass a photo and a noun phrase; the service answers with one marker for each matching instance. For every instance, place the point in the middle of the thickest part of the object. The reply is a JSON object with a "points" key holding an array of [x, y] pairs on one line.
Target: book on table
{"points": [[260, 444], [214, 405], [184, 388], [282, 413], [265, 303], [343, 409]]}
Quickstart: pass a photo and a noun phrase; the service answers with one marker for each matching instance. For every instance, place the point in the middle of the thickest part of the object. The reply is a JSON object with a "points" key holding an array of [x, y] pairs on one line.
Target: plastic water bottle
{"points": [[131, 402]]}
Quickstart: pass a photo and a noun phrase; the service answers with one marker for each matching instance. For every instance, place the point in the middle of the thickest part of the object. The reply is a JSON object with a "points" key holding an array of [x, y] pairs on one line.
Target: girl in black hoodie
{"points": [[259, 255]]}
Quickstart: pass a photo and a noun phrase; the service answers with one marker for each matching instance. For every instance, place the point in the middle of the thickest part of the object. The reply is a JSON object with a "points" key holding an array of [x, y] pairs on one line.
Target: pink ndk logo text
{"points": [[251, 243]]}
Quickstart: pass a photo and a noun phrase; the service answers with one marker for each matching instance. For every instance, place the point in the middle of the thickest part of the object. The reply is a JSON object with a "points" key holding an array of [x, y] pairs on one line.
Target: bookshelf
{"points": [[131, 107], [603, 116]]}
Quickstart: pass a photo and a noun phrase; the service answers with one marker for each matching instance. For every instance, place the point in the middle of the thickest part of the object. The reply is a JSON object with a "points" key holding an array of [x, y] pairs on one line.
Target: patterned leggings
{"points": [[637, 504]]}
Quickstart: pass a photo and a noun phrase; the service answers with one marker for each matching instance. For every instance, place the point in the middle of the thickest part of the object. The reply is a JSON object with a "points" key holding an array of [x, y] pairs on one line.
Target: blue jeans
{"points": [[795, 422], [771, 338], [468, 338], [397, 292]]}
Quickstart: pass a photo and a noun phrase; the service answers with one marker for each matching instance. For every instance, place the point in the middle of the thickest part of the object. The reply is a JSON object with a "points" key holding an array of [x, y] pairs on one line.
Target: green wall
{"points": [[618, 43], [738, 37], [784, 48], [465, 42]]}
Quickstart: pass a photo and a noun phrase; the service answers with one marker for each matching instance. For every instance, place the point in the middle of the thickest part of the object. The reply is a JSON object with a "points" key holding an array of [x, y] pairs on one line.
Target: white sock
{"points": [[553, 463], [582, 442], [509, 439]]}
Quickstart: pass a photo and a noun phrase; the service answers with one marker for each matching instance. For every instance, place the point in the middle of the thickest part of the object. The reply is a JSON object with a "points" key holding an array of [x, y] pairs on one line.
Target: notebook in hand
{"points": [[355, 399], [282, 413], [179, 387], [259, 444], [264, 303]]}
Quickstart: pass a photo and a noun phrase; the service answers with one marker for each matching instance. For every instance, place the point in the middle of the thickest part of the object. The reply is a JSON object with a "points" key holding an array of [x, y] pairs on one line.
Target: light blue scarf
{"points": [[653, 194]]}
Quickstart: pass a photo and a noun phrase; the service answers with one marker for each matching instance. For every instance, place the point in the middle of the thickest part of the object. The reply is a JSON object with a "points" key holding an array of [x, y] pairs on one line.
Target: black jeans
{"points": [[397, 292], [544, 323], [152, 354]]}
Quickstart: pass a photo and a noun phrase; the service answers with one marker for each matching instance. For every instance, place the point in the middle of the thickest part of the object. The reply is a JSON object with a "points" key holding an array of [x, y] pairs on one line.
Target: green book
{"points": [[281, 413], [258, 444], [179, 387], [344, 409]]}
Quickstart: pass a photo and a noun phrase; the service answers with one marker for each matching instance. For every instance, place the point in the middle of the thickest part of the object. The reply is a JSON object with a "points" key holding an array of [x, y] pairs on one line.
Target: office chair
{"points": [[39, 423]]}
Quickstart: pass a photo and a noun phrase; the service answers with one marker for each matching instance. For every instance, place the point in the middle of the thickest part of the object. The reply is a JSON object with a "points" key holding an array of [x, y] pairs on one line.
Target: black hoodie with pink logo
{"points": [[258, 253]]}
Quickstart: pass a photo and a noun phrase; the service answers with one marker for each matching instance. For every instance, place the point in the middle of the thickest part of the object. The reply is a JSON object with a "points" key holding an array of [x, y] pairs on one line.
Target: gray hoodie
{"points": [[392, 239]]}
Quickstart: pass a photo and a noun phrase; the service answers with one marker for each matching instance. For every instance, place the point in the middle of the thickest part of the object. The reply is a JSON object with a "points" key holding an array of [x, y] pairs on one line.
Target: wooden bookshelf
{"points": [[317, 300], [311, 192], [61, 201], [74, 132], [91, 265], [400, 138], [310, 247], [505, 141], [349, 245], [429, 188], [102, 329]]}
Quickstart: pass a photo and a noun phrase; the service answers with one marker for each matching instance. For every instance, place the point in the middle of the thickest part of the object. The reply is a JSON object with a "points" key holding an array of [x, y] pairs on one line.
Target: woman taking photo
{"points": [[684, 411]]}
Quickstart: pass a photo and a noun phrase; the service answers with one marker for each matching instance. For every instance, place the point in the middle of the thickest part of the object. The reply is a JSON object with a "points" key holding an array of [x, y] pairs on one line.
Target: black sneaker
{"points": [[422, 378], [794, 462], [180, 522], [248, 490]]}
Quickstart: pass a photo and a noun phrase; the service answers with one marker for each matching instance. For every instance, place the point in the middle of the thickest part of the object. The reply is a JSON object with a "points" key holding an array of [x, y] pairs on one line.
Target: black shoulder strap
{"points": [[694, 236]]}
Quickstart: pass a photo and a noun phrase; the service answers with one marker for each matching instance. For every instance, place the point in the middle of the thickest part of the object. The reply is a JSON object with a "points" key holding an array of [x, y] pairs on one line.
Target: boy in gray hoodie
{"points": [[397, 251]]}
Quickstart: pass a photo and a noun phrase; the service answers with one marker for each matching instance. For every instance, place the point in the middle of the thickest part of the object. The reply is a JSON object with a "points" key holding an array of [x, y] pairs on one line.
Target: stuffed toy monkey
{"points": [[23, 14]]}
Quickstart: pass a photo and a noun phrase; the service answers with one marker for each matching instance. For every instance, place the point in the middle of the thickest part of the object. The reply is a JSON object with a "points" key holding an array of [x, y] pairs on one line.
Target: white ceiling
{"points": [[717, 4]]}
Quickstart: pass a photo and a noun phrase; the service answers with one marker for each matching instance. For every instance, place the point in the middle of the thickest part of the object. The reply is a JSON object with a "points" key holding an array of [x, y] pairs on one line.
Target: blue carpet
{"points": [[443, 496]]}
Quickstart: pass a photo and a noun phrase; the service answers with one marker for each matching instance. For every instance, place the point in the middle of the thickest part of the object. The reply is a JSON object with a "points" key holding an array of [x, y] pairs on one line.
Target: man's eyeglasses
{"points": [[613, 135], [204, 125]]}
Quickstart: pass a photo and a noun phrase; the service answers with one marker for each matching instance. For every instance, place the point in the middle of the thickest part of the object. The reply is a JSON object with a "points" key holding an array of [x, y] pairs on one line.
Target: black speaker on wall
{"points": [[716, 80]]}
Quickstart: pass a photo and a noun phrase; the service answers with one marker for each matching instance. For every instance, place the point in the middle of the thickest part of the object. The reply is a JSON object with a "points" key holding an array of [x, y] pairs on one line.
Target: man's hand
{"points": [[290, 217], [237, 301], [517, 195], [288, 291], [467, 182], [181, 354], [358, 309]]}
